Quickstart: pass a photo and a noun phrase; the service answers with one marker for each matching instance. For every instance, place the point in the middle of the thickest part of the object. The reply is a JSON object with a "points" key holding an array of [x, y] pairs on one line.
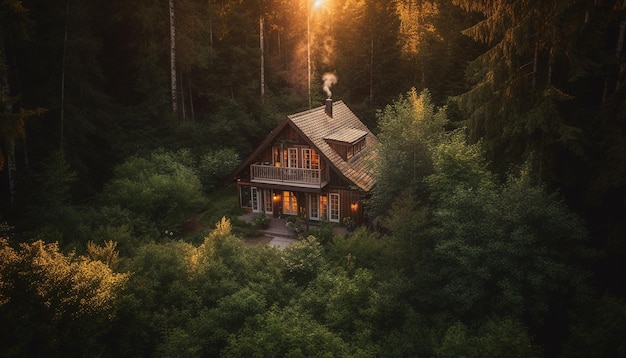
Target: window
{"points": [[255, 200], [315, 160], [314, 207], [292, 161], [355, 148], [333, 207], [310, 159], [246, 196], [306, 158], [318, 207], [323, 207], [268, 201], [290, 203]]}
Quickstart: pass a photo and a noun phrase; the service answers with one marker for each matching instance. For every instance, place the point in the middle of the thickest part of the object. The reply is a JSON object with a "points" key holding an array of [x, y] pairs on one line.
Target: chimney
{"points": [[329, 107]]}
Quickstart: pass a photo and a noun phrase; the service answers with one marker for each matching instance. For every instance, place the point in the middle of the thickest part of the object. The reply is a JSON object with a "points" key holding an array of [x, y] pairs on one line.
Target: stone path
{"points": [[281, 235]]}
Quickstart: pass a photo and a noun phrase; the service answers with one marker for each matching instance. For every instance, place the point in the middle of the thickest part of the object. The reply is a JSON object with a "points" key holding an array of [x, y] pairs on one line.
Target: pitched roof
{"points": [[344, 126], [346, 135], [316, 127]]}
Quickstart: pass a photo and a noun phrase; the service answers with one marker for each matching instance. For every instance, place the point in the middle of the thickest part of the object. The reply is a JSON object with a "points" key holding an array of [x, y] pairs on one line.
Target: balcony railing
{"points": [[269, 173]]}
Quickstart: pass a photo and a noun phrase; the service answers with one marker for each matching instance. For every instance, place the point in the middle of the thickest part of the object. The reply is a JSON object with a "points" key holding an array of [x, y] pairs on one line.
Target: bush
{"points": [[215, 166], [261, 221], [163, 187], [304, 260]]}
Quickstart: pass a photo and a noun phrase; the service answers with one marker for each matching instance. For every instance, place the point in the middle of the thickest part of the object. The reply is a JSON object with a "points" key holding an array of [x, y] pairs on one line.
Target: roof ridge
{"points": [[311, 110]]}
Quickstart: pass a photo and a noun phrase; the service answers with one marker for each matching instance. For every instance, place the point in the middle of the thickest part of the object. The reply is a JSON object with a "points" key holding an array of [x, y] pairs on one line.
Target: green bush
{"points": [[262, 221], [304, 260], [163, 187], [215, 166]]}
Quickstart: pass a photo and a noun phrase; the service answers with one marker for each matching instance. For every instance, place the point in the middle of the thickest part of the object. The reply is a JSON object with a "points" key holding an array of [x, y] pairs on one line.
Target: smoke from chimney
{"points": [[329, 80]]}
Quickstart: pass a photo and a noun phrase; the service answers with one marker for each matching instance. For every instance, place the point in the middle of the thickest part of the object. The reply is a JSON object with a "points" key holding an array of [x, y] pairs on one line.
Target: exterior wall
{"points": [[350, 201]]}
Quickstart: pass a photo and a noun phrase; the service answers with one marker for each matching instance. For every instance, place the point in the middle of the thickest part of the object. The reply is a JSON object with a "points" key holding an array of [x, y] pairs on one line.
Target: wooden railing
{"points": [[286, 175]]}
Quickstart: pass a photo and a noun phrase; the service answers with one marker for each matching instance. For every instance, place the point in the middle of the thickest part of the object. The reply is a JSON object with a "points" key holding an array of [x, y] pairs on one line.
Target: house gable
{"points": [[312, 164], [325, 132], [326, 135]]}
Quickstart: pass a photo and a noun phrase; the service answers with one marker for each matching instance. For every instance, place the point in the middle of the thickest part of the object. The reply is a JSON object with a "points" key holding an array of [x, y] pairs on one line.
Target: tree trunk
{"points": [[618, 53], [261, 45], [182, 97], [67, 19], [9, 142], [173, 58], [535, 65], [193, 113], [371, 69]]}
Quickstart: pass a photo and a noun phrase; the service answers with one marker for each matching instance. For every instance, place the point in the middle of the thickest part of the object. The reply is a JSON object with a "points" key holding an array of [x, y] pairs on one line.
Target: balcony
{"points": [[297, 177]]}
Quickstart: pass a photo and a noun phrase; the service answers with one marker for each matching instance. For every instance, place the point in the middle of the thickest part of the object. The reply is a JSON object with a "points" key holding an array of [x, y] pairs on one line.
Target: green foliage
{"points": [[409, 129], [51, 213], [191, 299], [304, 260], [457, 163], [285, 333], [361, 249], [215, 166], [262, 221], [162, 187], [503, 338], [324, 231], [598, 327], [123, 226], [407, 221], [51, 302], [345, 303], [510, 249]]}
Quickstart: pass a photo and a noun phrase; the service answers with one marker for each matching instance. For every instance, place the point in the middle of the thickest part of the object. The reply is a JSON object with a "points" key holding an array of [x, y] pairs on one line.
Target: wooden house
{"points": [[316, 163]]}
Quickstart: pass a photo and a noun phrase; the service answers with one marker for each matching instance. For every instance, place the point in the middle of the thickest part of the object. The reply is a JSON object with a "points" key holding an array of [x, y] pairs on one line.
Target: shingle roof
{"points": [[346, 135], [344, 126]]}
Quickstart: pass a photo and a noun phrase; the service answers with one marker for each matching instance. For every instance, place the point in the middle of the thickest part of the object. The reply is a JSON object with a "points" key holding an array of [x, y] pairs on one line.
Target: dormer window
{"points": [[355, 148], [347, 142]]}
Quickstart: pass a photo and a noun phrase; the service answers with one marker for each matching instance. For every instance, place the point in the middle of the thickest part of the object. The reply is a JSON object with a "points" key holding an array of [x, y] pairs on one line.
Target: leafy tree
{"points": [[408, 131], [509, 250], [52, 303], [304, 260], [216, 166], [597, 327], [162, 187], [285, 333], [493, 339], [345, 303], [361, 249]]}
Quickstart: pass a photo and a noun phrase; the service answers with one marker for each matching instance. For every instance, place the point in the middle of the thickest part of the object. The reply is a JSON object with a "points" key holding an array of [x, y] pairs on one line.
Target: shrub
{"points": [[262, 221]]}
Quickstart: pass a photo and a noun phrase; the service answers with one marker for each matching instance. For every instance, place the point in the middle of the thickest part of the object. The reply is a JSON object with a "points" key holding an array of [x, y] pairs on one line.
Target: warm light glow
{"points": [[317, 4], [354, 206]]}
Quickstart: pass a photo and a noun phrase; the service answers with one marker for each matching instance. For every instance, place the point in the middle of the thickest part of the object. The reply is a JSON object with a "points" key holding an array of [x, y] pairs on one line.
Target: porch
{"points": [[300, 177]]}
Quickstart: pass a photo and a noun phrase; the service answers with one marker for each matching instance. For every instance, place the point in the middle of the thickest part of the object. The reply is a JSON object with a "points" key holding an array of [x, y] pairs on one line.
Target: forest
{"points": [[497, 227]]}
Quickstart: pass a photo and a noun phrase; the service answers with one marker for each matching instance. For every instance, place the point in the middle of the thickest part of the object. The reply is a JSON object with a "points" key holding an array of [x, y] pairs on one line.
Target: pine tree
{"points": [[517, 88]]}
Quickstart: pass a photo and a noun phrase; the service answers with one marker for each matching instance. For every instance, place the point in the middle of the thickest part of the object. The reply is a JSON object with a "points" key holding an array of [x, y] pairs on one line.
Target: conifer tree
{"points": [[517, 88]]}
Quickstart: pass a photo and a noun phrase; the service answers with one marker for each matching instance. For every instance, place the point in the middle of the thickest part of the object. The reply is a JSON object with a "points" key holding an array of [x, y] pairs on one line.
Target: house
{"points": [[316, 163]]}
